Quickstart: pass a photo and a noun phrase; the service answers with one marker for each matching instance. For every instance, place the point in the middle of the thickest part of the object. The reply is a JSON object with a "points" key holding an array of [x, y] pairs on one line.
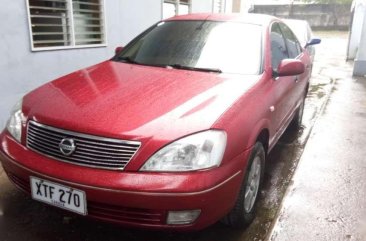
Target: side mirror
{"points": [[290, 67], [118, 49], [313, 41]]}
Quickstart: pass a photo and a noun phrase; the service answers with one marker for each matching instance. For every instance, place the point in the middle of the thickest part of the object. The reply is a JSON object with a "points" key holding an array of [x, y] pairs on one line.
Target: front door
{"points": [[282, 87]]}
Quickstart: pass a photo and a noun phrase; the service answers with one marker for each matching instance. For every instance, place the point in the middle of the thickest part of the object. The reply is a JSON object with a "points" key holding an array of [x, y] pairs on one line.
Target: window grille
{"points": [[218, 6], [66, 23], [176, 7]]}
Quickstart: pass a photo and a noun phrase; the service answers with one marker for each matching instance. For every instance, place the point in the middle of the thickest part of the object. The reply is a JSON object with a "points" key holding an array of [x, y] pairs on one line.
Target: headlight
{"points": [[199, 151], [14, 125]]}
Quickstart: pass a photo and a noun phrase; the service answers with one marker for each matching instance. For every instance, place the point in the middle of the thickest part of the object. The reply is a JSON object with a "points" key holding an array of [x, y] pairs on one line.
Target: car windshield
{"points": [[211, 46]]}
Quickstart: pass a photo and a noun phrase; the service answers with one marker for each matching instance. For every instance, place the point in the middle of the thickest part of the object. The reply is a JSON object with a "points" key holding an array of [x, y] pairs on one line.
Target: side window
{"points": [[278, 46], [293, 46]]}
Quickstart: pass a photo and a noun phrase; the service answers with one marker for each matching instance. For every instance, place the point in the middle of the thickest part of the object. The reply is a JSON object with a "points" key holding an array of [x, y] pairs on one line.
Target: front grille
{"points": [[113, 213], [92, 151]]}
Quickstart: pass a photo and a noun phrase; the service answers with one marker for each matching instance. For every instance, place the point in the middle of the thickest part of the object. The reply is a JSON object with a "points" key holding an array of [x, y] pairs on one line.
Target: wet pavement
{"points": [[327, 198], [24, 219]]}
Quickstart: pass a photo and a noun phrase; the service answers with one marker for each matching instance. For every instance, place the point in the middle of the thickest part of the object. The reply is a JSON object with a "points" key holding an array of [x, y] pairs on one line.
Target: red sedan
{"points": [[172, 132]]}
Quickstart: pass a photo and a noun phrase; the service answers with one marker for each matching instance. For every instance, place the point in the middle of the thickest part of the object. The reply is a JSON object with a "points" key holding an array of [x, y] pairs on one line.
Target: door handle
{"points": [[296, 79]]}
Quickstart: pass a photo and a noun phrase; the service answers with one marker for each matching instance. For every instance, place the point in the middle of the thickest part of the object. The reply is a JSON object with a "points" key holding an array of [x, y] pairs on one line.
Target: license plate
{"points": [[58, 195]]}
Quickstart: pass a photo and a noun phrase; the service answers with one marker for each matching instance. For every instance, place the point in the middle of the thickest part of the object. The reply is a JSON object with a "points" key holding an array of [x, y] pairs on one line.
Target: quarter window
{"points": [[172, 8], [66, 23], [278, 46]]}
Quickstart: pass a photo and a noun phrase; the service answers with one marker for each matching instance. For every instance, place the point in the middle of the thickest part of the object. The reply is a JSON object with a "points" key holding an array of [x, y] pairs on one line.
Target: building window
{"points": [[59, 24], [219, 6], [176, 7]]}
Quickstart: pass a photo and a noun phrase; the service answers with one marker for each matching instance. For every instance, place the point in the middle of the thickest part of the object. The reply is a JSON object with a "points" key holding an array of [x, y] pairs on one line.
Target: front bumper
{"points": [[136, 199]]}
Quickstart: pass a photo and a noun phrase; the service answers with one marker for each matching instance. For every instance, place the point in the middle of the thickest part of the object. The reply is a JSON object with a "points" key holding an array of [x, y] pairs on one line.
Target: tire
{"points": [[243, 211], [297, 120]]}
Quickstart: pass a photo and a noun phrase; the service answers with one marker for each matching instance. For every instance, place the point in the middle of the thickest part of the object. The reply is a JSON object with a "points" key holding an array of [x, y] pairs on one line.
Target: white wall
{"points": [[359, 8], [359, 67], [202, 6], [135, 16], [228, 6]]}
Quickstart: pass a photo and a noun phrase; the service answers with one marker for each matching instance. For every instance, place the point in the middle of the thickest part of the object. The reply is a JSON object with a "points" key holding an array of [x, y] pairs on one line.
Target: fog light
{"points": [[182, 217]]}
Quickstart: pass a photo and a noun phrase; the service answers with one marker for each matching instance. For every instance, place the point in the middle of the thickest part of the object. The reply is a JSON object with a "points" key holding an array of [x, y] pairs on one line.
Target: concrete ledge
{"points": [[359, 68]]}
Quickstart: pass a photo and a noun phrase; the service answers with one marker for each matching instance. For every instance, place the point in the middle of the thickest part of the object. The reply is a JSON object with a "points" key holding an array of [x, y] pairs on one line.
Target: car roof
{"points": [[252, 18]]}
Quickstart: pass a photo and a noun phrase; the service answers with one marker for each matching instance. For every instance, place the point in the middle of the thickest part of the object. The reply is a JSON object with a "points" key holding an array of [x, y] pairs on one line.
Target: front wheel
{"points": [[297, 121], [243, 212]]}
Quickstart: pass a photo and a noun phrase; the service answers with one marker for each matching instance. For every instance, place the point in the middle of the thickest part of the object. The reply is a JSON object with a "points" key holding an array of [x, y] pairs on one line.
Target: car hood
{"points": [[135, 102]]}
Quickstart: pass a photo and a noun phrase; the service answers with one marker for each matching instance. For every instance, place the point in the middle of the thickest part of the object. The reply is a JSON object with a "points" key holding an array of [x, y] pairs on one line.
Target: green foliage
{"points": [[329, 1]]}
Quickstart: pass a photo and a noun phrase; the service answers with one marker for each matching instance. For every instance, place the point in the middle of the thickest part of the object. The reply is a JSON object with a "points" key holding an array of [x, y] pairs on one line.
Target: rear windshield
{"points": [[229, 47]]}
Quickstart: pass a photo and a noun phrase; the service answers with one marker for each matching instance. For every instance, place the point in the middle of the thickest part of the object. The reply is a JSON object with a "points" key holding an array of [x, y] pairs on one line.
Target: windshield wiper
{"points": [[178, 66], [127, 59]]}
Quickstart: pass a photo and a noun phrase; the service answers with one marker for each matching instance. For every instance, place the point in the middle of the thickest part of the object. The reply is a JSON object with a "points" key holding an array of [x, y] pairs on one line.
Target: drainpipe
{"points": [[359, 68]]}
